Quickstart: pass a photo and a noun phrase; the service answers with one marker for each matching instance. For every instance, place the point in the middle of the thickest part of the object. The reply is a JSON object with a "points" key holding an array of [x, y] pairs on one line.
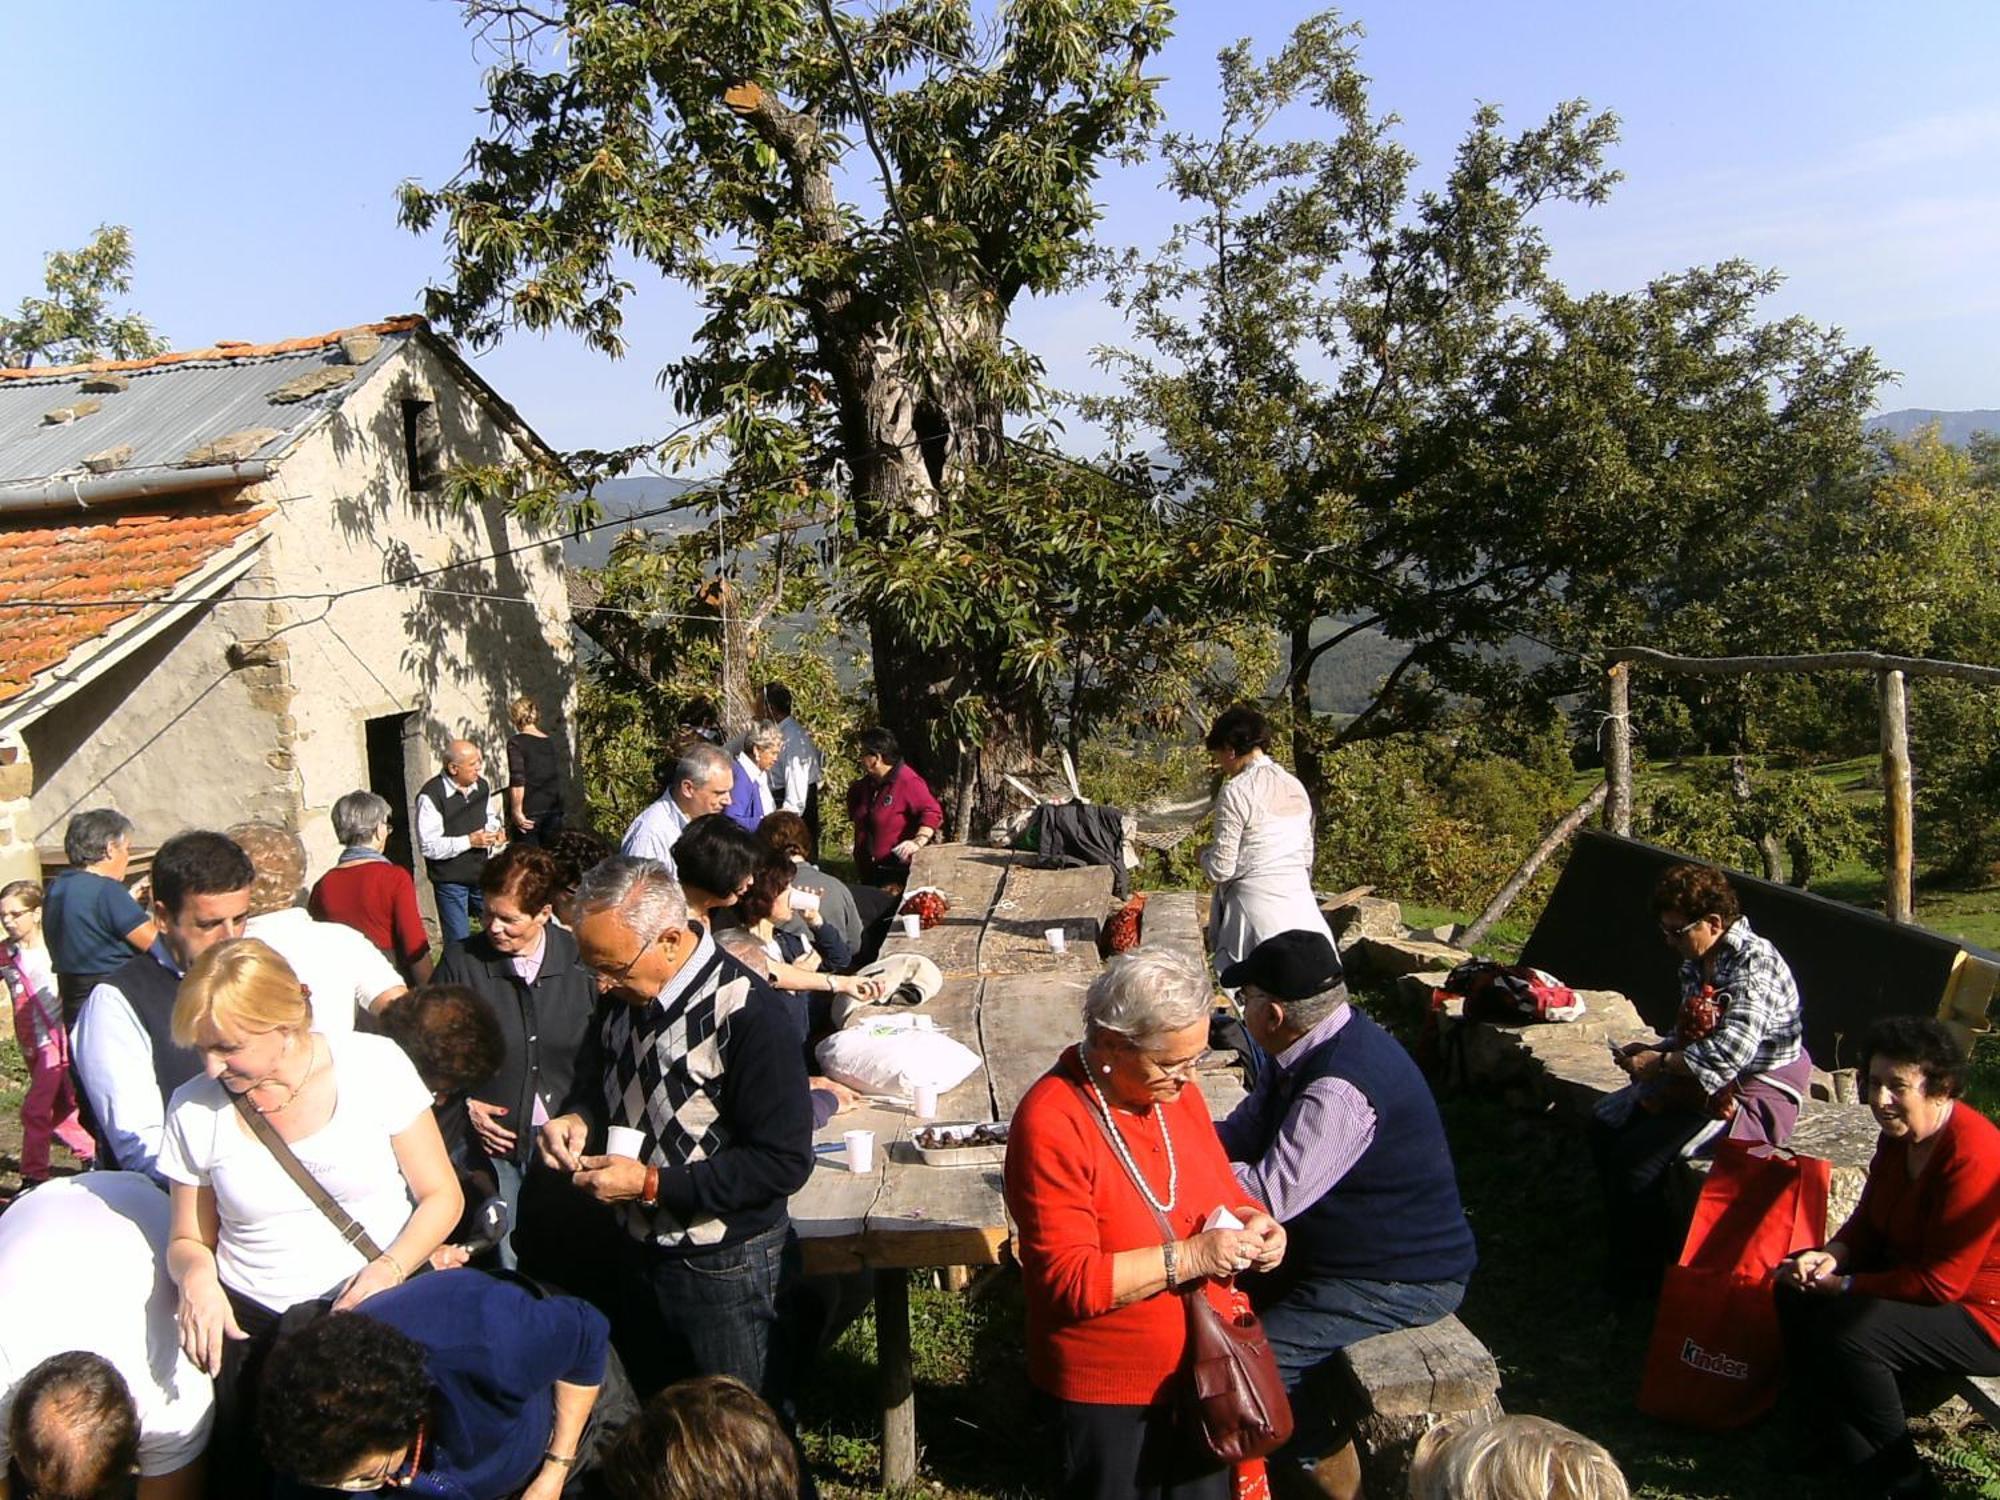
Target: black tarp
{"points": [[1852, 966]]}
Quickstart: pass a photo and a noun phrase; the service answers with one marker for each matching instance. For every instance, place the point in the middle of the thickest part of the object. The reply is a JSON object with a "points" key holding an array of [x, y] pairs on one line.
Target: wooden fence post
{"points": [[1618, 750], [1899, 821]]}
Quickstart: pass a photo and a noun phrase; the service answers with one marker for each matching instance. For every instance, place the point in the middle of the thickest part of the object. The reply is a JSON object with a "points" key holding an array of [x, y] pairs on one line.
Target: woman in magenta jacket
{"points": [[894, 812]]}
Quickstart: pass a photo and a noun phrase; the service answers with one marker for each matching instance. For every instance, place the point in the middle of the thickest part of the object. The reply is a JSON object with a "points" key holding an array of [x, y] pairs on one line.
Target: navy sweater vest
{"points": [[1395, 1215]]}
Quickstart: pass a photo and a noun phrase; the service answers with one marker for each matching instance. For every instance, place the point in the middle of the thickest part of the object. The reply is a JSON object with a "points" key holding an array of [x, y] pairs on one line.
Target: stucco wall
{"points": [[179, 736], [348, 517]]}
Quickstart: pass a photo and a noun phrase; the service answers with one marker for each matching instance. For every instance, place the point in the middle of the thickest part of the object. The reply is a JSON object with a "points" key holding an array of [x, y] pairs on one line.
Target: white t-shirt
{"points": [[83, 1265], [273, 1245], [338, 966]]}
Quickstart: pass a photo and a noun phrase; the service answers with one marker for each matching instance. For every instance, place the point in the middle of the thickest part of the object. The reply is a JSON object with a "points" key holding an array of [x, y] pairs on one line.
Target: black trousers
{"points": [[1134, 1453], [1843, 1354], [1632, 1161]]}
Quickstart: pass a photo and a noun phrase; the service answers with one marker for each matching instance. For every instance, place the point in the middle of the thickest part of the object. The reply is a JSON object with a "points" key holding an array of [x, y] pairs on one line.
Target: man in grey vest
{"points": [[126, 1057], [458, 823]]}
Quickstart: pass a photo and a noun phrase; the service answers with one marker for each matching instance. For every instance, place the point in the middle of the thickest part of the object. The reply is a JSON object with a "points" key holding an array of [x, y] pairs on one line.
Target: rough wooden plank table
{"points": [[1031, 902], [905, 1215]]}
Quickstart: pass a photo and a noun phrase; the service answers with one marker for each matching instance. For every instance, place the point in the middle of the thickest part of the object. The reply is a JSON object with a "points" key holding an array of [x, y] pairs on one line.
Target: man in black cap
{"points": [[1341, 1139]]}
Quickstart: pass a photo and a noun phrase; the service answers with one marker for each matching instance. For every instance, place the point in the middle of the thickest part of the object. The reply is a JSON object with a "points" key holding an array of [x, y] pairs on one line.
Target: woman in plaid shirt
{"points": [[1735, 1064]]}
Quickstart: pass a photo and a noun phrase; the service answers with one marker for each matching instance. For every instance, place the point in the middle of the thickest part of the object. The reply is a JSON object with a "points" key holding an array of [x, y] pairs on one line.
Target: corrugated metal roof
{"points": [[165, 412]]}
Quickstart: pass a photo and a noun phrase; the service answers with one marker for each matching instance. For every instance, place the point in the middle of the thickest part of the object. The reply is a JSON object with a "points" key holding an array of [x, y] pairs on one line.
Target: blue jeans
{"points": [[510, 1174], [1318, 1317], [457, 905], [711, 1312]]}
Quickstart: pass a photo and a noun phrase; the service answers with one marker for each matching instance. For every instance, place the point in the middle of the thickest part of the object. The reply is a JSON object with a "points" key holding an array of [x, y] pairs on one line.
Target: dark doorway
{"points": [[387, 780]]}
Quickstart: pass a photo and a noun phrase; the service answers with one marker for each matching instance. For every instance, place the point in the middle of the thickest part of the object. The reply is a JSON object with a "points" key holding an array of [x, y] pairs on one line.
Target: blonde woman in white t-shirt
{"points": [[247, 1241]]}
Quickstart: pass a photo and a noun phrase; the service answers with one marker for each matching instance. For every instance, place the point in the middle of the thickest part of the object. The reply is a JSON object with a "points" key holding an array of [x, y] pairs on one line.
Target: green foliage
{"points": [[1718, 814], [852, 366], [1425, 432], [74, 323], [1432, 818], [1955, 743]]}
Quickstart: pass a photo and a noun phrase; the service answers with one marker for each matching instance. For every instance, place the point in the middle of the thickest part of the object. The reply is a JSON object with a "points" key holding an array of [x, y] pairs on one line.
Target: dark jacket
{"points": [[542, 1026]]}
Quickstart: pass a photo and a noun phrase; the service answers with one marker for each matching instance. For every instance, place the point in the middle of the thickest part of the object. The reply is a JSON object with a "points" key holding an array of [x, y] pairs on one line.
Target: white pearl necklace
{"points": [[1125, 1154]]}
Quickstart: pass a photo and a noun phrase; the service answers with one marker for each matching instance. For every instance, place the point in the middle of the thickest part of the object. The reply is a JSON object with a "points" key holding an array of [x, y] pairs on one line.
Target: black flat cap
{"points": [[1293, 965]]}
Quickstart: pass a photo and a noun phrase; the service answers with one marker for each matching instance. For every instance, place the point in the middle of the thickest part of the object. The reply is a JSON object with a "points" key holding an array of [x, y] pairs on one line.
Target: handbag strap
{"points": [[1105, 1127], [348, 1227]]}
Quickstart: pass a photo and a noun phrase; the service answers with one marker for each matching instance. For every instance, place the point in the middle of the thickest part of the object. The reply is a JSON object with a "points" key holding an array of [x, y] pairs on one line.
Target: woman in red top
{"points": [[1106, 1333], [893, 810], [1913, 1280], [369, 892]]}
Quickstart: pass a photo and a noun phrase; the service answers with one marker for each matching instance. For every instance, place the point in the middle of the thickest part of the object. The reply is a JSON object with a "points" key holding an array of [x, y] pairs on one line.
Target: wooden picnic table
{"points": [[1016, 1002]]}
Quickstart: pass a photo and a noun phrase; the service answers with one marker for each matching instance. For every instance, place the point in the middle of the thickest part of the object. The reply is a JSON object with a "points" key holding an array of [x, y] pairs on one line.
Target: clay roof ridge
{"points": [[221, 350]]}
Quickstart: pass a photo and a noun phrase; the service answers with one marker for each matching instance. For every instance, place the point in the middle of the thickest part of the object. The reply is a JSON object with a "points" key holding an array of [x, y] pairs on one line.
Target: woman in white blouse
{"points": [[1261, 859]]}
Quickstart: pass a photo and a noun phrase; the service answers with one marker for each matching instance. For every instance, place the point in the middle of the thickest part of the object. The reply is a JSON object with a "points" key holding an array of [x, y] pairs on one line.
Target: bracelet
{"points": [[553, 1457], [1171, 1257], [395, 1265], [649, 1195]]}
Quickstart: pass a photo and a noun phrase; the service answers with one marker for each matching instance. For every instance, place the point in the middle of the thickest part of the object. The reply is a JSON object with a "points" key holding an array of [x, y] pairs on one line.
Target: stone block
{"points": [[17, 781], [105, 460], [303, 387], [359, 348], [1845, 1134], [1364, 916], [1387, 958], [1398, 1386], [105, 383], [75, 411], [230, 448]]}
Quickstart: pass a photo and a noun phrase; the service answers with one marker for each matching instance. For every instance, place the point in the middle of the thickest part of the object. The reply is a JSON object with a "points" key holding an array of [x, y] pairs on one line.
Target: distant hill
{"points": [[1955, 427], [623, 499]]}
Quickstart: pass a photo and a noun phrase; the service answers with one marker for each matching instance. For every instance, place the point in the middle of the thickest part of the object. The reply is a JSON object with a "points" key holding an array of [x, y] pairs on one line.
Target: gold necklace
{"points": [[291, 1090]]}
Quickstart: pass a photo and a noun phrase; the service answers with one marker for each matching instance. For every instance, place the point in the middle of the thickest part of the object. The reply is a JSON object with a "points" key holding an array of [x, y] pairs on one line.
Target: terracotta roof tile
{"points": [[221, 349], [135, 554]]}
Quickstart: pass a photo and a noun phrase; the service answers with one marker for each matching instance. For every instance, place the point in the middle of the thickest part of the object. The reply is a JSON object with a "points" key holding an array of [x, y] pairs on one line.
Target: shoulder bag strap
{"points": [[1105, 1127], [349, 1227]]}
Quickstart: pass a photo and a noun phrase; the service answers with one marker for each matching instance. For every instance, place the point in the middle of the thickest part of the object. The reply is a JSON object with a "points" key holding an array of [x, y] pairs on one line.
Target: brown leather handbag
{"points": [[1230, 1391]]}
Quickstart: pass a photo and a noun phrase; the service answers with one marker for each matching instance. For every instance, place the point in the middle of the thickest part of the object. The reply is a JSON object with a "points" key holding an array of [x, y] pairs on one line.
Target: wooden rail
{"points": [[1892, 700]]}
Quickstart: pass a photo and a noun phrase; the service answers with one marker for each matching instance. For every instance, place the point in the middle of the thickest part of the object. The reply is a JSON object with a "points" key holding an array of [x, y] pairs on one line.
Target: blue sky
{"points": [[253, 147]]}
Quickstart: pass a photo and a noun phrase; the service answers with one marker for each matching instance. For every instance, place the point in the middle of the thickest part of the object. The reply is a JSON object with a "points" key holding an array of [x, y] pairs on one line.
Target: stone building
{"points": [[232, 585]]}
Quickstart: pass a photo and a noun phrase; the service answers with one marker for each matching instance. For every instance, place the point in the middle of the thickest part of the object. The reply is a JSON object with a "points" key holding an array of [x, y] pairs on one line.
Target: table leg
{"points": [[892, 1359]]}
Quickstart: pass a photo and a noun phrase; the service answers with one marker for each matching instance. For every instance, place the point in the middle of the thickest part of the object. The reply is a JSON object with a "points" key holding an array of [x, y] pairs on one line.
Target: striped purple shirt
{"points": [[1323, 1134]]}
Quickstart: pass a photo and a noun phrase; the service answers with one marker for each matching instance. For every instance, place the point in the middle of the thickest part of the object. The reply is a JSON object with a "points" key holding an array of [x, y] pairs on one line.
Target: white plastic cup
{"points": [[1058, 940], [804, 900], [913, 925], [924, 1023], [623, 1140], [923, 1100], [860, 1150]]}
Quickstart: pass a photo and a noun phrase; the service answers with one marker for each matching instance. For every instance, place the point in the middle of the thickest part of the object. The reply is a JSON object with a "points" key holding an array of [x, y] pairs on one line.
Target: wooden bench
{"points": [[1395, 1387]]}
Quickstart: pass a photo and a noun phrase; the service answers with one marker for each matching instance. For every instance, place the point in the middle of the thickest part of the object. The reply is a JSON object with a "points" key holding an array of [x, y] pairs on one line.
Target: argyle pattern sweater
{"points": [[711, 1075]]}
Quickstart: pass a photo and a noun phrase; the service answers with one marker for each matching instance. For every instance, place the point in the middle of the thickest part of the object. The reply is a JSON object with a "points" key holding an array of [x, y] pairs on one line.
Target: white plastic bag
{"points": [[890, 1055]]}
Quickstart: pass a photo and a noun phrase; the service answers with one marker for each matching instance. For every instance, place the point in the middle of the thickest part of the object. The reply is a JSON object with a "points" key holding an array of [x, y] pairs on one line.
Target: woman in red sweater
{"points": [[1106, 1332], [1913, 1280], [369, 892]]}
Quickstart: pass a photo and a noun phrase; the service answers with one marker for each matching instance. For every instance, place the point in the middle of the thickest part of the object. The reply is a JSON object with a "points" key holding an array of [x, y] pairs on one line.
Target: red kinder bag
{"points": [[1716, 1360]]}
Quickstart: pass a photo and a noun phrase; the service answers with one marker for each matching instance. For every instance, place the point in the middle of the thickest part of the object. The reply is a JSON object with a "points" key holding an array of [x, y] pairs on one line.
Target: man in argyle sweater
{"points": [[701, 1059]]}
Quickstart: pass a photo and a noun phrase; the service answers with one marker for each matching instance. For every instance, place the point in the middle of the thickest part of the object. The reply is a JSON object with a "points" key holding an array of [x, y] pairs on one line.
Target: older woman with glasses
{"points": [[1110, 1134], [1734, 1064]]}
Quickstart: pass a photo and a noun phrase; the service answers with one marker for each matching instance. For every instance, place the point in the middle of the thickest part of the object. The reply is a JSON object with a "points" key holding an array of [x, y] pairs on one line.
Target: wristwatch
{"points": [[1171, 1256]]}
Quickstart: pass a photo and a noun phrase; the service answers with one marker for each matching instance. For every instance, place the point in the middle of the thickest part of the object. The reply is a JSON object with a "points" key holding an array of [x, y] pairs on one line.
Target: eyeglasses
{"points": [[623, 972], [1671, 933], [1181, 1070]]}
